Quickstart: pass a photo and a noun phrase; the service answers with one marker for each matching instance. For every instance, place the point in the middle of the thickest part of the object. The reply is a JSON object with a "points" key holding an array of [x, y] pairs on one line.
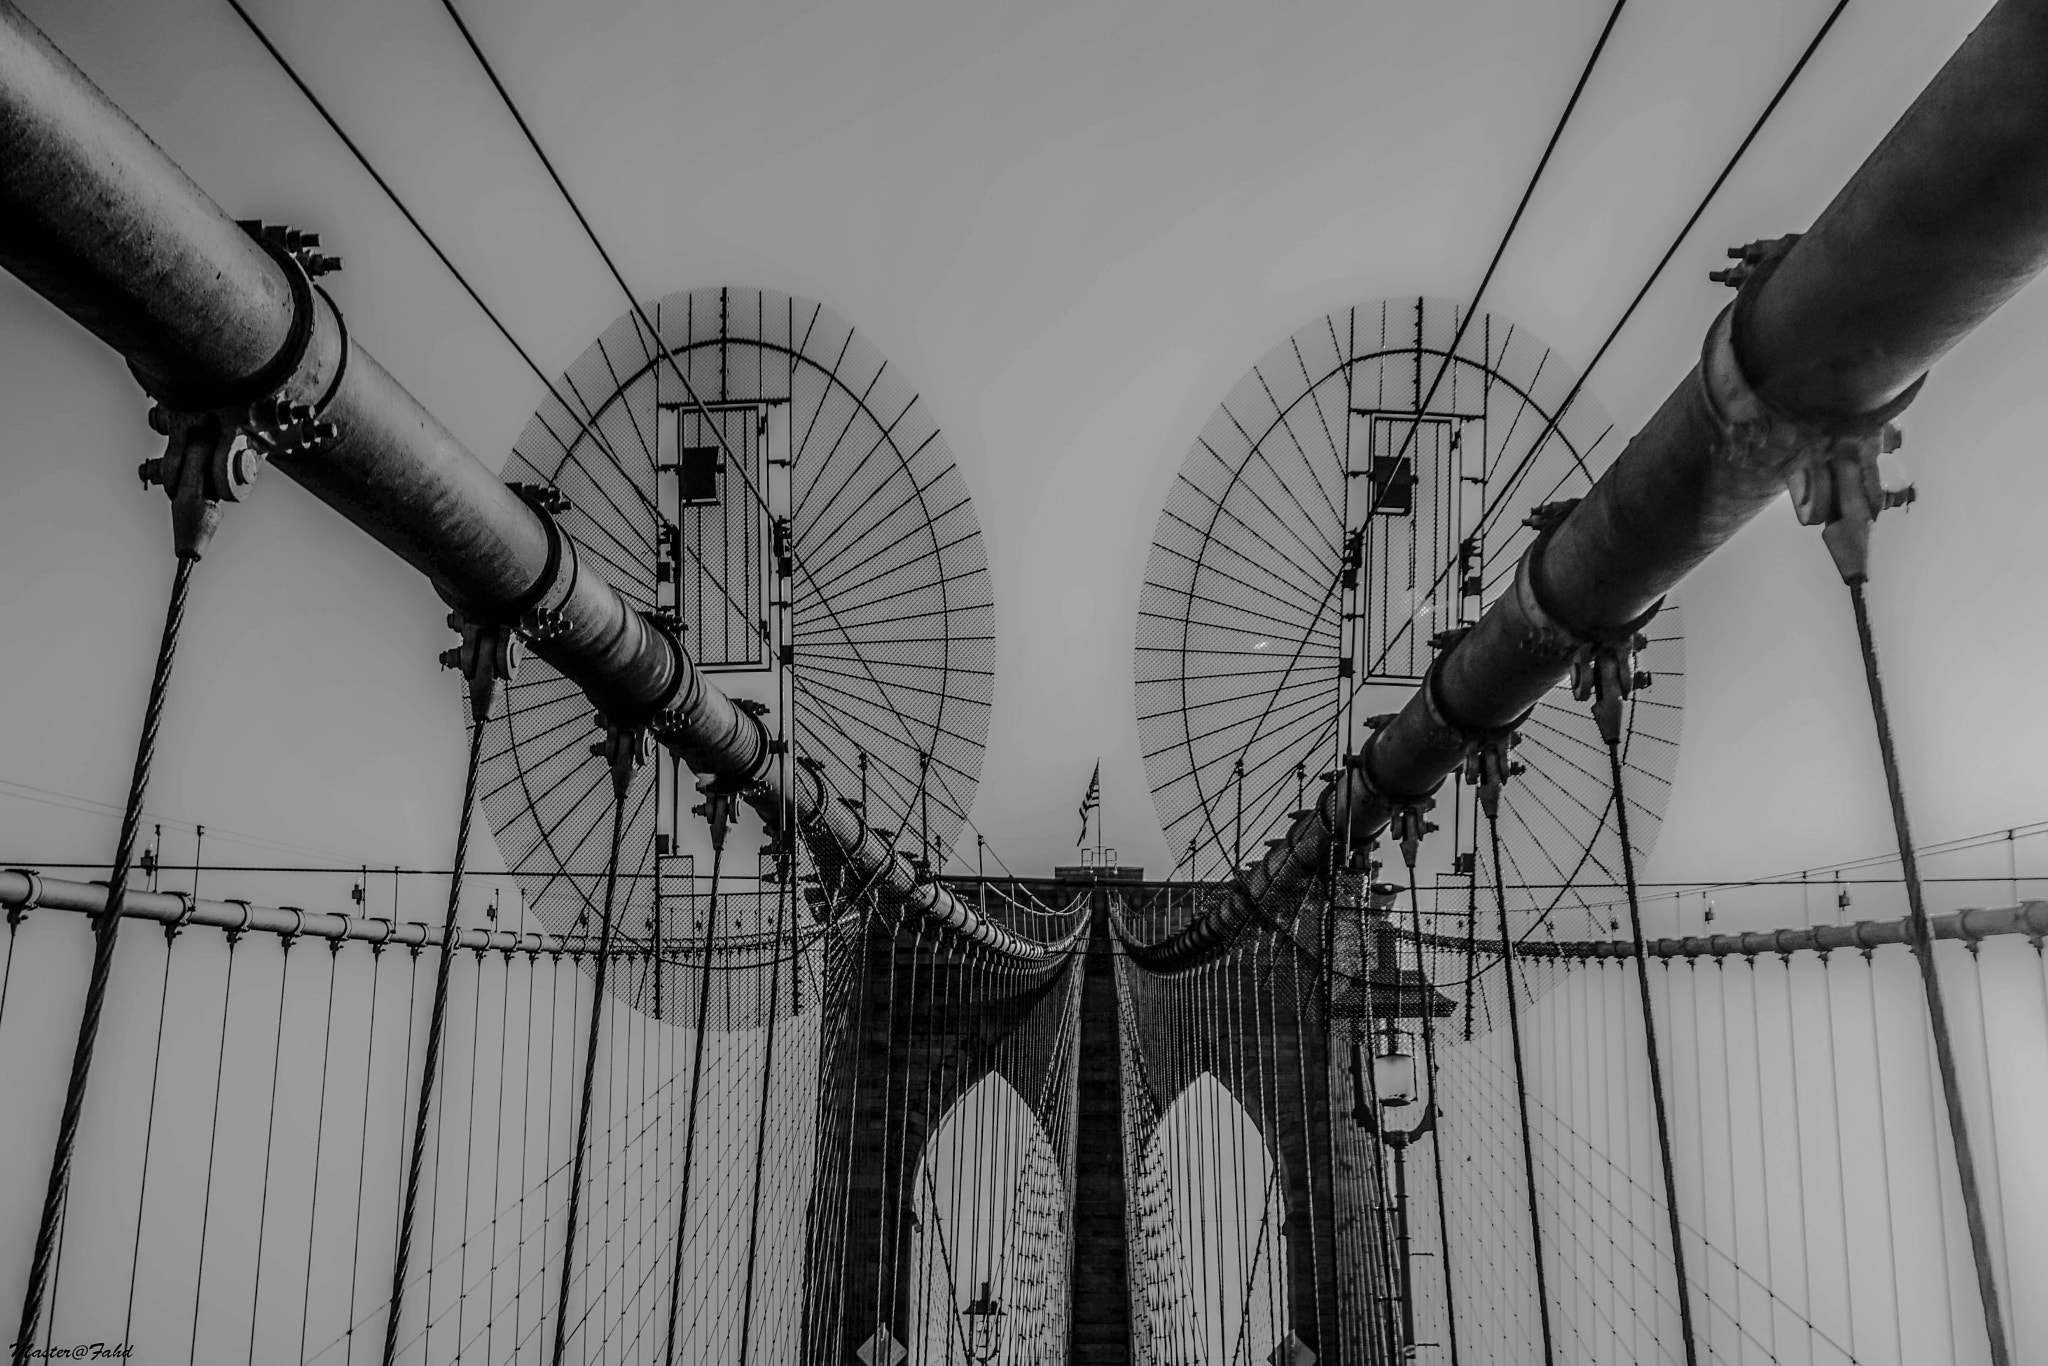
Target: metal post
{"points": [[1401, 1241], [1237, 839]]}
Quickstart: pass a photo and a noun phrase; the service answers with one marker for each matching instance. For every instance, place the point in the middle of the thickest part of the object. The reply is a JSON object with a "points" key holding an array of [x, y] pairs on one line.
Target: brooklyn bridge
{"points": [[662, 997]]}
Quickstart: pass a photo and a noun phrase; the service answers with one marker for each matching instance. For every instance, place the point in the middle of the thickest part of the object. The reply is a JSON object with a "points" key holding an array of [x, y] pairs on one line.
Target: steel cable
{"points": [[1656, 1059], [604, 958], [1426, 988], [1507, 950], [106, 930], [436, 1023], [668, 1354], [1930, 982]]}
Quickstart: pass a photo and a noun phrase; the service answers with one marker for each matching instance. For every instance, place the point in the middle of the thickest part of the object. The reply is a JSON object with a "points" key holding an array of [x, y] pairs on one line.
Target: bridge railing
{"points": [[240, 1176], [1815, 1173]]}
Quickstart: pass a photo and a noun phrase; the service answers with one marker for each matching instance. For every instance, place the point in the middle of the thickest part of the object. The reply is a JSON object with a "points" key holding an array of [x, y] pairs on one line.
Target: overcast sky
{"points": [[1074, 226]]}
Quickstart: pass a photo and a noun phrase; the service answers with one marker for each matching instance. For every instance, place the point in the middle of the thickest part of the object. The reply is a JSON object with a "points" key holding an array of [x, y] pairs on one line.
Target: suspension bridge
{"points": [[710, 1043]]}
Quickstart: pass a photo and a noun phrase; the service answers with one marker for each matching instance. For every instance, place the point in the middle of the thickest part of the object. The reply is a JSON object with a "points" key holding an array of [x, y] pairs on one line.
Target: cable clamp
{"points": [[539, 613], [487, 656], [218, 443], [303, 248], [1604, 673], [187, 908], [235, 932], [1754, 260], [16, 913], [1546, 634], [1406, 827], [1547, 517], [1446, 640], [1830, 466], [720, 805], [623, 748], [1488, 767]]}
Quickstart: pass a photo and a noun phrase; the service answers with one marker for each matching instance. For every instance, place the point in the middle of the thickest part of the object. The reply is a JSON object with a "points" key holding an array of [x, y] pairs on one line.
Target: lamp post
{"points": [[1396, 1084], [984, 1315]]}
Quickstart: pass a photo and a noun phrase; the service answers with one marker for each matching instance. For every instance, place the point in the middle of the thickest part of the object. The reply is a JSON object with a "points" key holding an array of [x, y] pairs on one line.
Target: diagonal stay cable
{"points": [[611, 265], [440, 254], [1784, 87], [1490, 512], [1486, 279], [1515, 221], [463, 281], [660, 353]]}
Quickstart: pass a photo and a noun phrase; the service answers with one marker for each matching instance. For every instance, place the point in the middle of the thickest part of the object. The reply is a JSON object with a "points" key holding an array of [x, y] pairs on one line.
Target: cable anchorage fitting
{"points": [[487, 656], [1604, 673], [1489, 766], [624, 749], [1830, 465], [19, 911], [720, 805], [1406, 827], [216, 446]]}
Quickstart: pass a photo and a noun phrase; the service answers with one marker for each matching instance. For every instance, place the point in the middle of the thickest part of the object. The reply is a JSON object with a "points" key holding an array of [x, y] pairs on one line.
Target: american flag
{"points": [[1091, 800]]}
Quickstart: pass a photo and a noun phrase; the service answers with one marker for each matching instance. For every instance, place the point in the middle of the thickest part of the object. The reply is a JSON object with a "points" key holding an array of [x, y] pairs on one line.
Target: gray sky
{"points": [[1074, 226]]}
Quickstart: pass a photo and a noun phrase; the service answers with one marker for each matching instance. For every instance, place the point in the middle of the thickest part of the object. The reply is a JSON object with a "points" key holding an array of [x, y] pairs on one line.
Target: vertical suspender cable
{"points": [[1426, 990], [783, 895], [105, 929], [1507, 964], [1930, 982], [1642, 959], [675, 1284], [436, 1023], [622, 772]]}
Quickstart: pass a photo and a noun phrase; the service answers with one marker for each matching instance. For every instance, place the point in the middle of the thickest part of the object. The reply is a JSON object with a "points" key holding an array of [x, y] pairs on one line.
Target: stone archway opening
{"points": [[1210, 1265], [991, 1230]]}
